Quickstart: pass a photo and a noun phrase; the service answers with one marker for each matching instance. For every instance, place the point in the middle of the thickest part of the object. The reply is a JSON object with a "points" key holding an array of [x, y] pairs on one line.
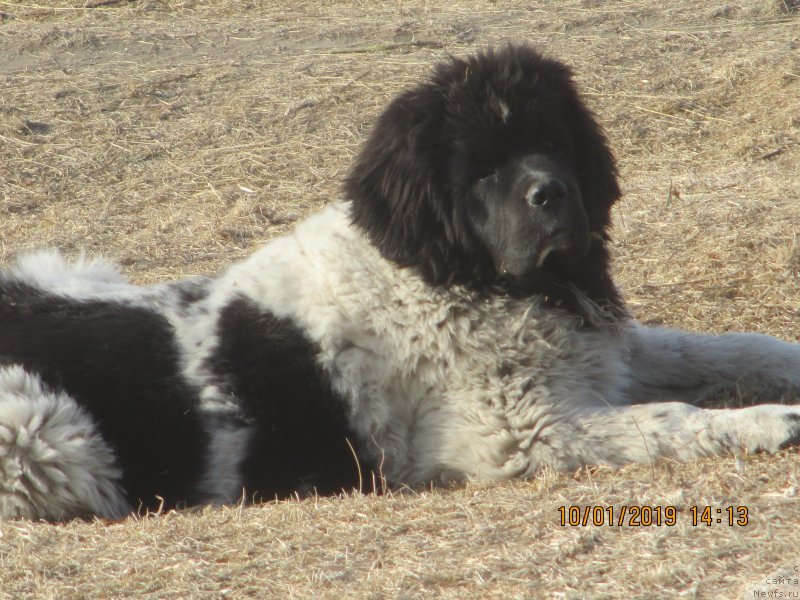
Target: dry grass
{"points": [[177, 136], [494, 542]]}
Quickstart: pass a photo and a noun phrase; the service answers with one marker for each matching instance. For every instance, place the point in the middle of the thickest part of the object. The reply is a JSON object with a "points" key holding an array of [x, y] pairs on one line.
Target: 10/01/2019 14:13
{"points": [[647, 516]]}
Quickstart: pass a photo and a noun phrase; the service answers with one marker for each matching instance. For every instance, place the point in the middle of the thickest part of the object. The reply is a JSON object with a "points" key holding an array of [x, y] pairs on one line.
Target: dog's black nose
{"points": [[549, 191]]}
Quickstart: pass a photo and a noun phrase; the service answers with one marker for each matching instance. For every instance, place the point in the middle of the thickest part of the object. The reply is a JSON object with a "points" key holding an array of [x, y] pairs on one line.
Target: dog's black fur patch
{"points": [[301, 441], [120, 364]]}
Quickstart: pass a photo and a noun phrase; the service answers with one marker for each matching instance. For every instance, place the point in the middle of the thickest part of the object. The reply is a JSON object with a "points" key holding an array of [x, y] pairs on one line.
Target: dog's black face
{"points": [[492, 175], [529, 215]]}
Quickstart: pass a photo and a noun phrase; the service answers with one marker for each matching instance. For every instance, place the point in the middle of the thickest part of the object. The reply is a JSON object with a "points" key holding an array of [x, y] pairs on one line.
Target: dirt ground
{"points": [[177, 136]]}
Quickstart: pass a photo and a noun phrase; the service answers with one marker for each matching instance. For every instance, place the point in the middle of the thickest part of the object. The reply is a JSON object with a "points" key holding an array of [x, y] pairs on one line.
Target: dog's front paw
{"points": [[767, 428]]}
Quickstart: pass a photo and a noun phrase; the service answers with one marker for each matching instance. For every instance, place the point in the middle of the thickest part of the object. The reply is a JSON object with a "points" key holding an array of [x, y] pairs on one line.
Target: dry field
{"points": [[176, 136]]}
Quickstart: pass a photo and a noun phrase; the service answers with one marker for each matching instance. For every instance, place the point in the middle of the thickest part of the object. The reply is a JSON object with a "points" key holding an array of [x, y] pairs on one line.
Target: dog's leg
{"points": [[644, 433], [53, 462], [669, 364]]}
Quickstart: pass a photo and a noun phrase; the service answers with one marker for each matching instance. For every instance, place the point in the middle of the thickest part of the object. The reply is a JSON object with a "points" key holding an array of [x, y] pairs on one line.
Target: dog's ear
{"points": [[597, 169], [399, 191], [597, 176]]}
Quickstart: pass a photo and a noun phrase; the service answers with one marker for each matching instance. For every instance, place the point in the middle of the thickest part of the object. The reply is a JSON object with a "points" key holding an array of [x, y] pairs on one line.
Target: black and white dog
{"points": [[454, 318]]}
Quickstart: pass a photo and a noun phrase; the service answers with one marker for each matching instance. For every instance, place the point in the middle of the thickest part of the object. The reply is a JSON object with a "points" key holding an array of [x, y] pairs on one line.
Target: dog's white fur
{"points": [[444, 383], [52, 460]]}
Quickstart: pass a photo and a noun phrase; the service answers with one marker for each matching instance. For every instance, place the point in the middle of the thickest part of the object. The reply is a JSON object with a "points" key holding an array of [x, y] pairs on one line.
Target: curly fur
{"points": [[453, 318]]}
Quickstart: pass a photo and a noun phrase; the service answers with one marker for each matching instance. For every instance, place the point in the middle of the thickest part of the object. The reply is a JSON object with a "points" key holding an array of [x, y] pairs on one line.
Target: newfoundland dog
{"points": [[453, 318]]}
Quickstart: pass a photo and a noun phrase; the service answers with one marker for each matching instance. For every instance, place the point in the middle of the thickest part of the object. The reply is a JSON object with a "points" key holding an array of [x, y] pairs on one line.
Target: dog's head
{"points": [[493, 173]]}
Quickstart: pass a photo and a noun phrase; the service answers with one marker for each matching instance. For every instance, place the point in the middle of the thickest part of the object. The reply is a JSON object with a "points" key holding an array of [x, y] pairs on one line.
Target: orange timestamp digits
{"points": [[647, 516], [708, 516], [634, 516]]}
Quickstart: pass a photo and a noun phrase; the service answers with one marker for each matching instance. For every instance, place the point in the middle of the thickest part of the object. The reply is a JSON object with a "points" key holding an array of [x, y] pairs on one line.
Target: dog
{"points": [[452, 318]]}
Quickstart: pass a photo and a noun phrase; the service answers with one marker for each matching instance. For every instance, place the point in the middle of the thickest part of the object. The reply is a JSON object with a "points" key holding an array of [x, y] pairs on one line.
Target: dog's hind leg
{"points": [[53, 462]]}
